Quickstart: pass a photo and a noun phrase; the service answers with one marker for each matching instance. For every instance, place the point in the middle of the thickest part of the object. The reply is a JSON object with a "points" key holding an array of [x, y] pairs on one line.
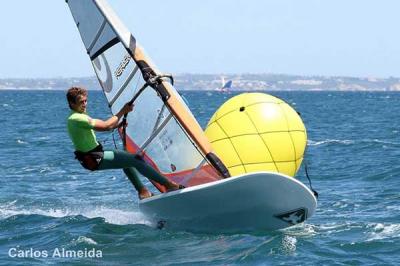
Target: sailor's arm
{"points": [[112, 122]]}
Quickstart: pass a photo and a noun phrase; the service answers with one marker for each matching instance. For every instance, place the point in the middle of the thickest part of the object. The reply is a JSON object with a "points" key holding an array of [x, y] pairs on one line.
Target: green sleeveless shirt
{"points": [[81, 131]]}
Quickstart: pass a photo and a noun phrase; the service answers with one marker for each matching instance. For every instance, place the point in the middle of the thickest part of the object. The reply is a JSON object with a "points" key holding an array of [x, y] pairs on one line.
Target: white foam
{"points": [[382, 231], [340, 204], [289, 244], [348, 142], [44, 169], [328, 141], [8, 212], [116, 216], [84, 239], [301, 230], [42, 138], [332, 228], [382, 142], [111, 215], [393, 208]]}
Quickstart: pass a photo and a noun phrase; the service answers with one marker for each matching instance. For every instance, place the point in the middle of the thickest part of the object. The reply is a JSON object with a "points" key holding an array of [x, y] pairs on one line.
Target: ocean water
{"points": [[49, 203]]}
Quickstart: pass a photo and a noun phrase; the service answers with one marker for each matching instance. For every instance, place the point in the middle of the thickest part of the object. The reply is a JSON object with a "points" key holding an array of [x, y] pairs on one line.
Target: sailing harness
{"points": [[90, 160]]}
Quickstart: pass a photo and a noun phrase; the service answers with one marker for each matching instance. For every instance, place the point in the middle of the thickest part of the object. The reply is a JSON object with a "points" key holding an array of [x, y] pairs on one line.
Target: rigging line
{"points": [[309, 180], [115, 145], [105, 140], [306, 171], [125, 115]]}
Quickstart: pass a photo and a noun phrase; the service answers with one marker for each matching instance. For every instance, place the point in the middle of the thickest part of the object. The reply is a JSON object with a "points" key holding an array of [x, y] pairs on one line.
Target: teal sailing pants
{"points": [[116, 159]]}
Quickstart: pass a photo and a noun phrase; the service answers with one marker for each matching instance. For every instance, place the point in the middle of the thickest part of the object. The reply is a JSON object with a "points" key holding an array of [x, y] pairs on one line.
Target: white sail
{"points": [[161, 127]]}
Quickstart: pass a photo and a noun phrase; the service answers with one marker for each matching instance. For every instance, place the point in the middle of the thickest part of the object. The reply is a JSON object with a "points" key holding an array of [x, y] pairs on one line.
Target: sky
{"points": [[304, 37]]}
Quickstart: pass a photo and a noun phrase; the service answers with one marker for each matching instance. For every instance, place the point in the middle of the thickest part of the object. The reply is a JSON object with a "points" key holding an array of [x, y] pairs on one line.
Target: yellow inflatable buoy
{"points": [[257, 132]]}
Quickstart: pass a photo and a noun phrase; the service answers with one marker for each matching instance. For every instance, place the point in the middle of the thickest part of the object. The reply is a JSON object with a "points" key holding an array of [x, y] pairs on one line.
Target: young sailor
{"points": [[91, 154]]}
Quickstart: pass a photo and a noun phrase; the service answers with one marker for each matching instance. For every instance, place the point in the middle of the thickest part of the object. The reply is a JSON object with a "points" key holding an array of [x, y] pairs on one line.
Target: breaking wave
{"points": [[111, 215]]}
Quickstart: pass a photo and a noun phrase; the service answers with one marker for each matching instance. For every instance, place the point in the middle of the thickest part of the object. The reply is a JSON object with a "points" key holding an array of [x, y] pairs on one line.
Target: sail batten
{"points": [[100, 30], [156, 132], [123, 87], [103, 48], [161, 126], [159, 118], [119, 28]]}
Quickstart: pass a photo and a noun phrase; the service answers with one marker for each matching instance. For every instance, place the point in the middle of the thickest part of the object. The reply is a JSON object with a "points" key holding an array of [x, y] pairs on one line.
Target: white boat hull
{"points": [[252, 202]]}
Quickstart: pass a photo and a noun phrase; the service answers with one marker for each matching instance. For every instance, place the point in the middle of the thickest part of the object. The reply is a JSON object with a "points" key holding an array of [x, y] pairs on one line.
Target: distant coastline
{"points": [[241, 82]]}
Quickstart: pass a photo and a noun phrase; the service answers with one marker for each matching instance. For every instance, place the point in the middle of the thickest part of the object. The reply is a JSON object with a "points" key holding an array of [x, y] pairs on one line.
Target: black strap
{"points": [[218, 164], [91, 159], [124, 132], [309, 180]]}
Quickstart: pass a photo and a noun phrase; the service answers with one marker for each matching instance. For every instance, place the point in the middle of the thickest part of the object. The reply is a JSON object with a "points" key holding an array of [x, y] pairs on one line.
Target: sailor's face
{"points": [[80, 105]]}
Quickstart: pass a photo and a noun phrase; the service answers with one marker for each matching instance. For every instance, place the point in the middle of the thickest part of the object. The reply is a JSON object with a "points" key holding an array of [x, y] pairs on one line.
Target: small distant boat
{"points": [[225, 86]]}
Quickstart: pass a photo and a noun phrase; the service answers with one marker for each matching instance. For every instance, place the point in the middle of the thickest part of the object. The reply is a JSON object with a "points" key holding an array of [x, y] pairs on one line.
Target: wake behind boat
{"points": [[162, 130]]}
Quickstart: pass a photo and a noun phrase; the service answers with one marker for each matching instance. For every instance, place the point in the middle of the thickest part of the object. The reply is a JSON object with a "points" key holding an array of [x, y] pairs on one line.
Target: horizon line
{"points": [[221, 74]]}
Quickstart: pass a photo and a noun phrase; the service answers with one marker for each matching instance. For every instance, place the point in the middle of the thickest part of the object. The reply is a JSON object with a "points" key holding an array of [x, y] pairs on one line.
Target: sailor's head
{"points": [[77, 99]]}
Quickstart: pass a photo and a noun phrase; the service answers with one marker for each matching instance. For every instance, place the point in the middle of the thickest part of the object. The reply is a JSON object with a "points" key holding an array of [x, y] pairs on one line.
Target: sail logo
{"points": [[121, 68], [103, 72], [293, 217]]}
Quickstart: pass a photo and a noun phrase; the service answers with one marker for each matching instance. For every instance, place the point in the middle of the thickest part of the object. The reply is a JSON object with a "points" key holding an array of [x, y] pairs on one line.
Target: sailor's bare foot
{"points": [[173, 186], [144, 193]]}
